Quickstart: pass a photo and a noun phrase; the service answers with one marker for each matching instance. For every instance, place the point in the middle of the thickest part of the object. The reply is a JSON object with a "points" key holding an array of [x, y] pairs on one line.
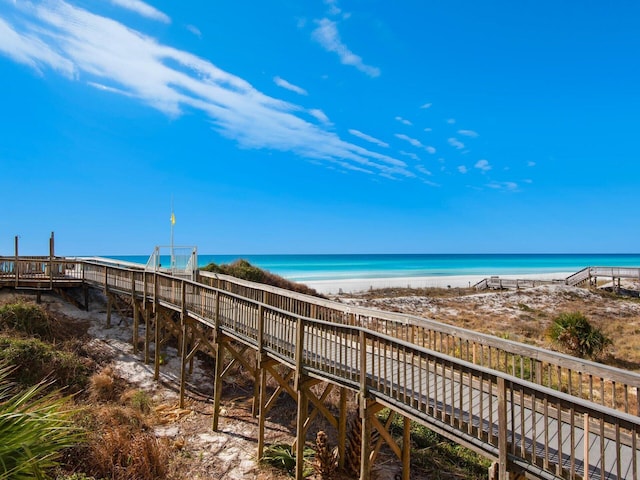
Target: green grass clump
{"points": [[575, 333], [282, 456], [34, 427]]}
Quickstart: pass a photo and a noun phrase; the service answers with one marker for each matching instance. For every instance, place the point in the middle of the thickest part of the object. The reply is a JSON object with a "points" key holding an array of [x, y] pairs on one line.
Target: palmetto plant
{"points": [[34, 428]]}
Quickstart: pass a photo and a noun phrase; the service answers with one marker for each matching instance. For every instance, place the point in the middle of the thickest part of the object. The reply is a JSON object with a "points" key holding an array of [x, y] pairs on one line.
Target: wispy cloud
{"points": [[368, 138], [428, 129], [327, 35], [426, 105], [462, 169], [415, 142], [27, 48], [92, 48], [404, 121], [483, 165], [195, 30], [451, 121], [506, 186], [454, 142], [423, 169], [281, 82], [319, 115], [333, 7], [531, 164], [410, 155], [412, 141], [143, 9], [468, 133]]}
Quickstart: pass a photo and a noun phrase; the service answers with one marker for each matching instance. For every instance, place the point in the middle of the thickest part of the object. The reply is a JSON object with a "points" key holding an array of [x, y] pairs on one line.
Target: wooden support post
{"points": [[255, 407], [406, 449], [147, 333], [136, 325], [109, 308], [502, 429], [156, 356], [301, 432], [262, 411], [217, 381], [365, 444], [183, 345], [85, 291], [342, 428]]}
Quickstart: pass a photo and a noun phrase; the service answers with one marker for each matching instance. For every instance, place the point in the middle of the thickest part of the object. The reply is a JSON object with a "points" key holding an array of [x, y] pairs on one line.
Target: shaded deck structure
{"points": [[535, 413]]}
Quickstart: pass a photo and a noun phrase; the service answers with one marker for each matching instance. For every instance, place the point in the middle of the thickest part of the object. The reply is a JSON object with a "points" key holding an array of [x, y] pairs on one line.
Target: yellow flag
{"points": [[173, 219]]}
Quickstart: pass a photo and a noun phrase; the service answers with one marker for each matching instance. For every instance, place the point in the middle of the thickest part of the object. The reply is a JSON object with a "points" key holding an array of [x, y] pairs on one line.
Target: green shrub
{"points": [[28, 318], [283, 457], [244, 270], [574, 333], [34, 427], [34, 360]]}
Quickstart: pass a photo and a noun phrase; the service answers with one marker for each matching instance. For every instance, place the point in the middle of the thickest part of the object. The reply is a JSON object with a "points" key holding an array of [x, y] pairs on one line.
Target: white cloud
{"points": [[143, 9], [506, 186], [326, 34], [403, 120], [454, 142], [116, 58], [105, 88], [468, 133], [483, 165], [426, 105], [531, 164], [428, 129], [412, 141], [281, 82], [423, 169], [410, 155], [430, 149], [195, 30], [451, 121], [319, 115], [28, 49], [333, 7], [462, 169], [368, 138]]}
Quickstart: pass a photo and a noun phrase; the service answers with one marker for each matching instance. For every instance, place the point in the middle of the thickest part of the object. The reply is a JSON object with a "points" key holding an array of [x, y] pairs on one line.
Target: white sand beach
{"points": [[352, 285]]}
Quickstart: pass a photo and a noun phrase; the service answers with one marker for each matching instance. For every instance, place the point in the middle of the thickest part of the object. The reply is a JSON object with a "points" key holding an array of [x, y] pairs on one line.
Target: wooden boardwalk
{"points": [[535, 412]]}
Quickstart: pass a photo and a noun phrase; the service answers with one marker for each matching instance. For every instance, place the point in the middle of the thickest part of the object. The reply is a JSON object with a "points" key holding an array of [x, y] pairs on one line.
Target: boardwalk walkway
{"points": [[535, 412]]}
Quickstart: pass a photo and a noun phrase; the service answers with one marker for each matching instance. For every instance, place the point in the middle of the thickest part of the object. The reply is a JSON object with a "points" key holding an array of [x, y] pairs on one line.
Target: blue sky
{"points": [[335, 126]]}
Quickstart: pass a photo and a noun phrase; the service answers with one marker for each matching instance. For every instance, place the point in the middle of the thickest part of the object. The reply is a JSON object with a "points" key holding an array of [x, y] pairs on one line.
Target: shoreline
{"points": [[357, 285]]}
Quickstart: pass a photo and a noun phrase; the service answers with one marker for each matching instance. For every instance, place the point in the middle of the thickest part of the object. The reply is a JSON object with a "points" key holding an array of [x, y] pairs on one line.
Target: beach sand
{"points": [[354, 285]]}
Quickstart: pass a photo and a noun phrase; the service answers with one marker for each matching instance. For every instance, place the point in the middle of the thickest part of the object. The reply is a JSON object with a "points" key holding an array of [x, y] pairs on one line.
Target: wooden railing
{"points": [[483, 391], [520, 422], [612, 387]]}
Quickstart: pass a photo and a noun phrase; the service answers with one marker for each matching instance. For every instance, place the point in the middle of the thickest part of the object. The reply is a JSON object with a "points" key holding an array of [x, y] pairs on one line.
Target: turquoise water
{"points": [[307, 268]]}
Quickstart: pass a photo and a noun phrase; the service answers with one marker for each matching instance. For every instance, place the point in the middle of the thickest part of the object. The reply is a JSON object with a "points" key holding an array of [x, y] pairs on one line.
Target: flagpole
{"points": [[173, 222]]}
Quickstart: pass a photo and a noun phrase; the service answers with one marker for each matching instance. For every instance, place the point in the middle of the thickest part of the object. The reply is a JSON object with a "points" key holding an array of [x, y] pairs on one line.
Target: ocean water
{"points": [[308, 268]]}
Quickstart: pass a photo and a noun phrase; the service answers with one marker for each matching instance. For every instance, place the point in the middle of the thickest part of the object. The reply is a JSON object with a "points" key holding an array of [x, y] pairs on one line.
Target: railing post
{"points": [[502, 429]]}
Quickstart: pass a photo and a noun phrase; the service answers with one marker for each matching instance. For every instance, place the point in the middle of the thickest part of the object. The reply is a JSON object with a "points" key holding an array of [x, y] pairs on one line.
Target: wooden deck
{"points": [[588, 275], [533, 411]]}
